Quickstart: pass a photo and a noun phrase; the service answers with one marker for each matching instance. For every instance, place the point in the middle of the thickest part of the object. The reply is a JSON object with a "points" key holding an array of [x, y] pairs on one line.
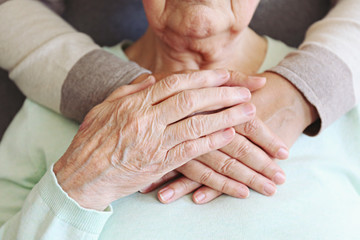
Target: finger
{"points": [[234, 169], [201, 125], [188, 150], [257, 131], [164, 179], [176, 83], [130, 89], [251, 82], [205, 194], [201, 173], [177, 189], [255, 158], [192, 101]]}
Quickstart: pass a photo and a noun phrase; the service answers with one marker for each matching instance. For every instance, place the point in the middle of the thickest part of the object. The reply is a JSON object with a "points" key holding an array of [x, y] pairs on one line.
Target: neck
{"points": [[243, 52]]}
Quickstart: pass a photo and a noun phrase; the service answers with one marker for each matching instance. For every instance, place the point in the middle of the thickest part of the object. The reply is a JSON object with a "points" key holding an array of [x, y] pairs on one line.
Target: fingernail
{"points": [[244, 192], [248, 109], [244, 94], [279, 178], [269, 189], [228, 133], [166, 194], [222, 73], [145, 189], [199, 197], [256, 78], [282, 153]]}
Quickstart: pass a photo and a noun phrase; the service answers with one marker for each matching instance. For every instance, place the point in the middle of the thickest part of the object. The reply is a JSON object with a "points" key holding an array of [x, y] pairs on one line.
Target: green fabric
{"points": [[320, 200]]}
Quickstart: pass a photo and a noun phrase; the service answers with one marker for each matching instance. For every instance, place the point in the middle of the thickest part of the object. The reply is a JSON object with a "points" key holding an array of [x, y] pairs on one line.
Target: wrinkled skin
{"points": [[208, 35], [145, 134], [287, 114], [231, 170]]}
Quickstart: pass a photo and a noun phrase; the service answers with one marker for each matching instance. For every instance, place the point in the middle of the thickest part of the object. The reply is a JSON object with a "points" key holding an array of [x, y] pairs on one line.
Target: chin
{"points": [[200, 22]]}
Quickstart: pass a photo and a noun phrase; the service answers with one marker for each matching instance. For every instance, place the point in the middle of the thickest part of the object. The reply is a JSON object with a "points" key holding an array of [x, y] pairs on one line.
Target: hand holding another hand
{"points": [[248, 161], [141, 132]]}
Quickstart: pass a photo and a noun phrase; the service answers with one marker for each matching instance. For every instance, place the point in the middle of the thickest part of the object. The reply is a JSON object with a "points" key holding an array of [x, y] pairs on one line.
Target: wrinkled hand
{"points": [[287, 113], [140, 132], [284, 110]]}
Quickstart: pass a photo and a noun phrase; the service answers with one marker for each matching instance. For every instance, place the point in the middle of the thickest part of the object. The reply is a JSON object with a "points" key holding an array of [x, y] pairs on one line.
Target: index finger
{"points": [[176, 83]]}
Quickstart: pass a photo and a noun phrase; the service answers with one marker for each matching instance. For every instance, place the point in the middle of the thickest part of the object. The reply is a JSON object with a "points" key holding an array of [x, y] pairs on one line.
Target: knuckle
{"points": [[252, 180], [195, 126], [242, 150], [223, 93], [205, 176], [184, 184], [212, 143], [266, 167], [227, 166], [186, 100], [230, 117], [251, 127], [198, 77], [225, 186], [273, 145], [171, 82], [190, 150]]}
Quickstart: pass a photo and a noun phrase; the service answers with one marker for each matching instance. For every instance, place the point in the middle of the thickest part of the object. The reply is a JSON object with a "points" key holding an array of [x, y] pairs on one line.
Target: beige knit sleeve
{"points": [[54, 64], [325, 68]]}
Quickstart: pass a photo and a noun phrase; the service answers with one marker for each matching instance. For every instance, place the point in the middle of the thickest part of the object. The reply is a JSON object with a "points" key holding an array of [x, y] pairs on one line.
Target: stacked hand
{"points": [[144, 131], [248, 160]]}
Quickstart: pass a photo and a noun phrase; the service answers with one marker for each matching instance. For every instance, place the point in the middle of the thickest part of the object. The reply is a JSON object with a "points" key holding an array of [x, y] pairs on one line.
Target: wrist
{"points": [[78, 189], [281, 105]]}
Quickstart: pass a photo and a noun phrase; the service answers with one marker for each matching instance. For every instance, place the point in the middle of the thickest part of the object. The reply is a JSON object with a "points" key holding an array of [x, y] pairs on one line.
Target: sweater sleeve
{"points": [[32, 203], [325, 67], [54, 64], [48, 213]]}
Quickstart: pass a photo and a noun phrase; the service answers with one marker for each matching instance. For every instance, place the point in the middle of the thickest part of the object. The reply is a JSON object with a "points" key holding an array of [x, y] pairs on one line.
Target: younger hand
{"points": [[231, 170]]}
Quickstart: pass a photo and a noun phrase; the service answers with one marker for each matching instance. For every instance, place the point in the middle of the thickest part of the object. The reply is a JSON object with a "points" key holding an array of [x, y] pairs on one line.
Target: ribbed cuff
{"points": [[68, 210]]}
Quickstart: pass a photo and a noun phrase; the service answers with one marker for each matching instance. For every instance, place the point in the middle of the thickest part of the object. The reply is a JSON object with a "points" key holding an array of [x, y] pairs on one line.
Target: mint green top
{"points": [[320, 200]]}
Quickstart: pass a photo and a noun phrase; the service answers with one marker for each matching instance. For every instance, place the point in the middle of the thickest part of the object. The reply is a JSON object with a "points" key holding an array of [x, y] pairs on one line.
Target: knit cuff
{"points": [[68, 210]]}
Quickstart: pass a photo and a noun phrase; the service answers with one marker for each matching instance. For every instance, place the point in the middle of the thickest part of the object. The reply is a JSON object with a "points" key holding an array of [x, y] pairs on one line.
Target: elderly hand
{"points": [[285, 111], [144, 134]]}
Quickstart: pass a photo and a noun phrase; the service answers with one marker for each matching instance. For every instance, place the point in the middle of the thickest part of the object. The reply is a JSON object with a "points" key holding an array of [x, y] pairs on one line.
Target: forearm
{"points": [[325, 67], [54, 64]]}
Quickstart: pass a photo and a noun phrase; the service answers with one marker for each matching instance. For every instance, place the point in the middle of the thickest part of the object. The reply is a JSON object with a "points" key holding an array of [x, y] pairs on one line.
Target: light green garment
{"points": [[320, 200]]}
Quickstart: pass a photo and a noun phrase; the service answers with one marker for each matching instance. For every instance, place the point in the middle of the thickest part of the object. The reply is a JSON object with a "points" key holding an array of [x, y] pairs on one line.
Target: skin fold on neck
{"points": [[244, 51]]}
